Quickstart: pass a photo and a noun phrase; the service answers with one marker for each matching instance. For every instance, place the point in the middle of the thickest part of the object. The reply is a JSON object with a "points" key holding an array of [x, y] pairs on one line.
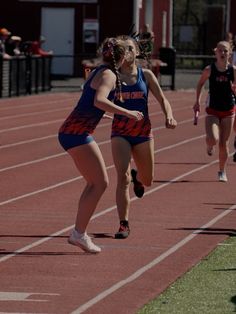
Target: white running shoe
{"points": [[222, 176], [84, 242]]}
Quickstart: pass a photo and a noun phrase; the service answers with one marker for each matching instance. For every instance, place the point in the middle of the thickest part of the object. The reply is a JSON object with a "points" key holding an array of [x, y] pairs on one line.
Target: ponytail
{"points": [[113, 50]]}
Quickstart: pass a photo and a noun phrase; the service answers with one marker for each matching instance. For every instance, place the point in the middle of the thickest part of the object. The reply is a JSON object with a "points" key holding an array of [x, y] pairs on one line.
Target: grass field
{"points": [[208, 288]]}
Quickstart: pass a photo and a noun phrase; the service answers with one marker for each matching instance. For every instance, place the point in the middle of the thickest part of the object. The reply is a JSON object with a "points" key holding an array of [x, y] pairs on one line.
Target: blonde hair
{"points": [[225, 44]]}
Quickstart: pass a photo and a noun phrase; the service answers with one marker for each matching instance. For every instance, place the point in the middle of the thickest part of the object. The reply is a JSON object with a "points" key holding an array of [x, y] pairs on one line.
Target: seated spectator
{"points": [[13, 46], [36, 48], [4, 35], [229, 37]]}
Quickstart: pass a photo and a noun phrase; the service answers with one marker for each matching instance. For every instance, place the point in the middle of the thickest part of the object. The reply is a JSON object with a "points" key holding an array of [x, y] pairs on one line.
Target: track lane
{"points": [[42, 214]]}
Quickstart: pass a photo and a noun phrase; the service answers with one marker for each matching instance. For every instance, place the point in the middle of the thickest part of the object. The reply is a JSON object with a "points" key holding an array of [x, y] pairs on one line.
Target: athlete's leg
{"points": [[226, 126], [143, 155], [121, 151], [89, 161], [235, 132], [234, 155], [212, 131]]}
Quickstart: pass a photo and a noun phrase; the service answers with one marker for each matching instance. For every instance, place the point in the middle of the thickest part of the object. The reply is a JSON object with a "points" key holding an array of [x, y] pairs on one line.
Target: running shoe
{"points": [[84, 242], [138, 186], [222, 176], [123, 232]]}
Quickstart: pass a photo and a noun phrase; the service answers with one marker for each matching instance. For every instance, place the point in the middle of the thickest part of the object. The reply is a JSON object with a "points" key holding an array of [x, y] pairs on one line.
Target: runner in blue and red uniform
{"points": [[75, 136], [220, 106], [135, 138]]}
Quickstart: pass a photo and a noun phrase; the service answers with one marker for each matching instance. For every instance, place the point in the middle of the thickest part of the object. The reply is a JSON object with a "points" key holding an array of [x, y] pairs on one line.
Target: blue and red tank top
{"points": [[135, 98], [85, 116]]}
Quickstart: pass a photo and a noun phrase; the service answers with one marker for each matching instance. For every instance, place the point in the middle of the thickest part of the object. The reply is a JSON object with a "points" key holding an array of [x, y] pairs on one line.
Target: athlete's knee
{"points": [[124, 179], [100, 185], [104, 184], [224, 145]]}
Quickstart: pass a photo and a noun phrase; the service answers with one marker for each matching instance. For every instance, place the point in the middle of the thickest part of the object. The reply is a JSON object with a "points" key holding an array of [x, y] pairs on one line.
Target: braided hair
{"points": [[112, 51]]}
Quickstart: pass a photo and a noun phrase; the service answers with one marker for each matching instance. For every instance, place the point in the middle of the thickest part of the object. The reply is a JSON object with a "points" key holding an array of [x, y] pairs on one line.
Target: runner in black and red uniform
{"points": [[220, 105]]}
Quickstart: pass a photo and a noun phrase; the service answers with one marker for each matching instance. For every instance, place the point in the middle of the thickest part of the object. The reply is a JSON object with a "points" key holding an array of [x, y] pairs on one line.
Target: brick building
{"points": [[74, 28]]}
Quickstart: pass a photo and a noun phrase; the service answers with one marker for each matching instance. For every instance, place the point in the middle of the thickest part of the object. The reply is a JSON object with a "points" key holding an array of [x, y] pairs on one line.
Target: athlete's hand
{"points": [[196, 107], [233, 88], [106, 116], [134, 114], [171, 123]]}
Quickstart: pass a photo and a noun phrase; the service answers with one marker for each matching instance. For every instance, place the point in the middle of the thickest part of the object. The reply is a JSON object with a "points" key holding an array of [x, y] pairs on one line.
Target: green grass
{"points": [[208, 288]]}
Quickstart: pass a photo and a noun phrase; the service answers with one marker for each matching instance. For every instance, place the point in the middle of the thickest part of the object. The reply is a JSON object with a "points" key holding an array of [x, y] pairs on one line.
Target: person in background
{"points": [[4, 35], [234, 51], [146, 42], [220, 106], [36, 48], [75, 136], [13, 46], [132, 138], [234, 64]]}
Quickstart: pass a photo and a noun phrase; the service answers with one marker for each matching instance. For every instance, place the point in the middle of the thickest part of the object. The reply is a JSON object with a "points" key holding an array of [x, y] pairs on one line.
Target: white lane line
{"points": [[35, 161], [57, 155], [105, 211], [48, 188], [47, 102], [151, 264], [28, 141], [34, 104], [79, 177], [17, 128], [36, 113], [25, 296], [61, 120], [33, 125]]}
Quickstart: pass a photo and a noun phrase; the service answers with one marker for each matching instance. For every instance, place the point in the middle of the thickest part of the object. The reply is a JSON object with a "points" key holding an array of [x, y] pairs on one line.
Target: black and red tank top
{"points": [[221, 95]]}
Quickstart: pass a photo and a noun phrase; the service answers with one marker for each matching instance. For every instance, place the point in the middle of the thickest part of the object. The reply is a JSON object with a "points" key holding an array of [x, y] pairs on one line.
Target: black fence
{"points": [[167, 55], [24, 75], [198, 62]]}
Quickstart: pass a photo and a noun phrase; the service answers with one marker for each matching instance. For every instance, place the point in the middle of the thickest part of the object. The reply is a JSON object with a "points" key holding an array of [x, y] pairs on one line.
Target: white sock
{"points": [[79, 234]]}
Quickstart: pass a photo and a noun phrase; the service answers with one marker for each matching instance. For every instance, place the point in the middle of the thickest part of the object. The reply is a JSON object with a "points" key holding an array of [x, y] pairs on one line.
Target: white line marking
{"points": [[47, 102], [56, 155], [32, 162], [150, 265], [142, 270], [17, 128], [35, 104], [28, 141], [36, 113], [28, 247], [48, 188], [23, 296], [61, 120], [79, 177]]}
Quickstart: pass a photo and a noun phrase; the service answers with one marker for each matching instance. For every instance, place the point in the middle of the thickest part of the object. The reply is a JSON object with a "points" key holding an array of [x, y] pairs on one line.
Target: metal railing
{"points": [[24, 75]]}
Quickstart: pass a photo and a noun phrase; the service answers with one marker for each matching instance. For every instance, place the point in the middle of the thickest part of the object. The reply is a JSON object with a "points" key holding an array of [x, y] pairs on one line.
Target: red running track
{"points": [[182, 217]]}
